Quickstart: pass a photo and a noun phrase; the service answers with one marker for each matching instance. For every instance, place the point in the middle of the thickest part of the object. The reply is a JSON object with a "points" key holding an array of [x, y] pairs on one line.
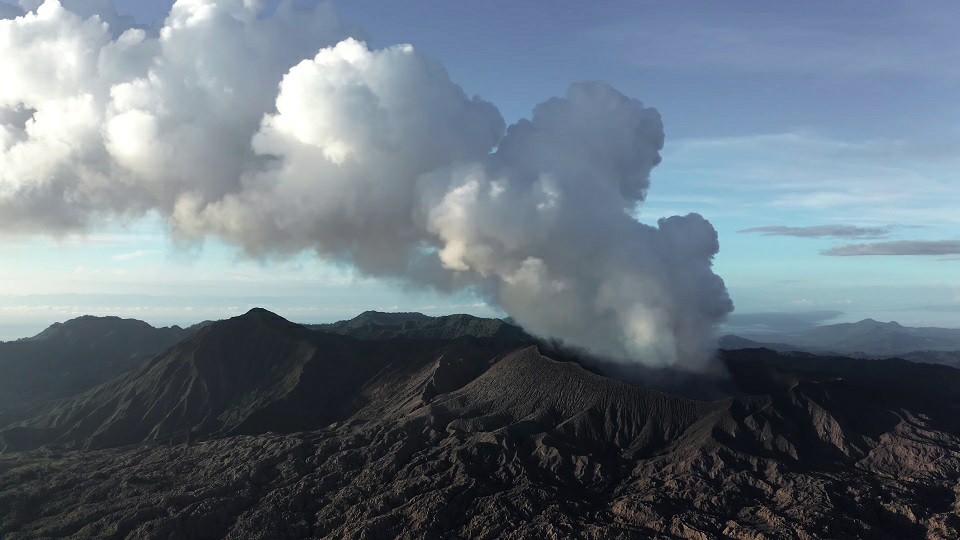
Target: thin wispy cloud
{"points": [[787, 41], [133, 255], [868, 180], [897, 247], [821, 231]]}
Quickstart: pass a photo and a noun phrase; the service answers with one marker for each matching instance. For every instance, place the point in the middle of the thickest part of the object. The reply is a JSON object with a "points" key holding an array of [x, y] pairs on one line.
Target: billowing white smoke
{"points": [[279, 135]]}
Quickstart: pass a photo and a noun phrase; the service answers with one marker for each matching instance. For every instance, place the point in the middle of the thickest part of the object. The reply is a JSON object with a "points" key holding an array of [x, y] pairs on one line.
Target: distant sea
{"points": [[12, 330]]}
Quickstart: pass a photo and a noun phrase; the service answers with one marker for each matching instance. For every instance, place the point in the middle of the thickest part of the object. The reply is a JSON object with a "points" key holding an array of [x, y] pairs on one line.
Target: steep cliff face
{"points": [[259, 428]]}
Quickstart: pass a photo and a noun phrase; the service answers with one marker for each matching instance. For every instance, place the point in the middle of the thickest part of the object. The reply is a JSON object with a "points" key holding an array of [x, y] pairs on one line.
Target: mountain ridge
{"points": [[381, 325], [224, 379], [76, 355], [257, 427]]}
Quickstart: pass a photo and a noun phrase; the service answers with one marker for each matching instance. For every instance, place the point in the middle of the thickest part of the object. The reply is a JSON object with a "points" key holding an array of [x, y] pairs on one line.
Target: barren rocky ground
{"points": [[259, 428]]}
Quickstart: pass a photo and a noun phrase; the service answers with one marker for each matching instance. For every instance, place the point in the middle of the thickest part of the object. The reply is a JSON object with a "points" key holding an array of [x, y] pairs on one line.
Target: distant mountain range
{"points": [[868, 338], [407, 426]]}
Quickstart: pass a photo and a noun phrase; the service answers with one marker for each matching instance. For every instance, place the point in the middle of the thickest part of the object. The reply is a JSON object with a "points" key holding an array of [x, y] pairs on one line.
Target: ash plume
{"points": [[282, 134]]}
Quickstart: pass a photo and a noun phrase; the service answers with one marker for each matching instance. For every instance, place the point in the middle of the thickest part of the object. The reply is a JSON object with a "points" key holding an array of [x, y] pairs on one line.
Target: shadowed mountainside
{"points": [[74, 356], [249, 374], [260, 428]]}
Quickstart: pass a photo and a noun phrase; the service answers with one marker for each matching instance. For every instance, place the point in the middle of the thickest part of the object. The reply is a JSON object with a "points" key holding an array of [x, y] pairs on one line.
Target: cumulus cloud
{"points": [[280, 134], [821, 231], [899, 247]]}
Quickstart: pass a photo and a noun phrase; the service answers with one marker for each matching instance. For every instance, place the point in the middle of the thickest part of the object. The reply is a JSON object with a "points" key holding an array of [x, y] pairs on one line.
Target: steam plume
{"points": [[282, 134]]}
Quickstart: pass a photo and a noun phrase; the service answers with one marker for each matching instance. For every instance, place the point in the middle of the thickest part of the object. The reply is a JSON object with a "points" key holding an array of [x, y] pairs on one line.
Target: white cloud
{"points": [[279, 136], [132, 255]]}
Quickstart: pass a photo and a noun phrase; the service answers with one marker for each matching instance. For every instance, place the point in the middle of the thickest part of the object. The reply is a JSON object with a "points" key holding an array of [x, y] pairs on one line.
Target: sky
{"points": [[820, 139]]}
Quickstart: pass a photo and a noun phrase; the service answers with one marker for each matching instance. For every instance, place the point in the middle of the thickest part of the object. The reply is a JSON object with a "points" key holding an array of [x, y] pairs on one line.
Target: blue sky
{"points": [[777, 114]]}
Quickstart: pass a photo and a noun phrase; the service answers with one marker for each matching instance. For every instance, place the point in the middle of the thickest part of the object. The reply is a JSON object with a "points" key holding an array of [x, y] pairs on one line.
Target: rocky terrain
{"points": [[414, 427]]}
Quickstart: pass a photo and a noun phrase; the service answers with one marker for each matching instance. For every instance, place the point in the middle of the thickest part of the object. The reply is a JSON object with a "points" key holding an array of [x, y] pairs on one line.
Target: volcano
{"points": [[410, 426]]}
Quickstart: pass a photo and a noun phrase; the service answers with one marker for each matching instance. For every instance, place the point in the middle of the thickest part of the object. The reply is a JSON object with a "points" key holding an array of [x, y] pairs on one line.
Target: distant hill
{"points": [[378, 325], [864, 338], [375, 318], [76, 355], [733, 343], [946, 358]]}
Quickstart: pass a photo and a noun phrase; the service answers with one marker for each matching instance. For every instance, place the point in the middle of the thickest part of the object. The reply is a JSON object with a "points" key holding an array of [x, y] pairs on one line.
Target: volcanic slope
{"points": [[74, 356], [246, 375], [282, 432]]}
